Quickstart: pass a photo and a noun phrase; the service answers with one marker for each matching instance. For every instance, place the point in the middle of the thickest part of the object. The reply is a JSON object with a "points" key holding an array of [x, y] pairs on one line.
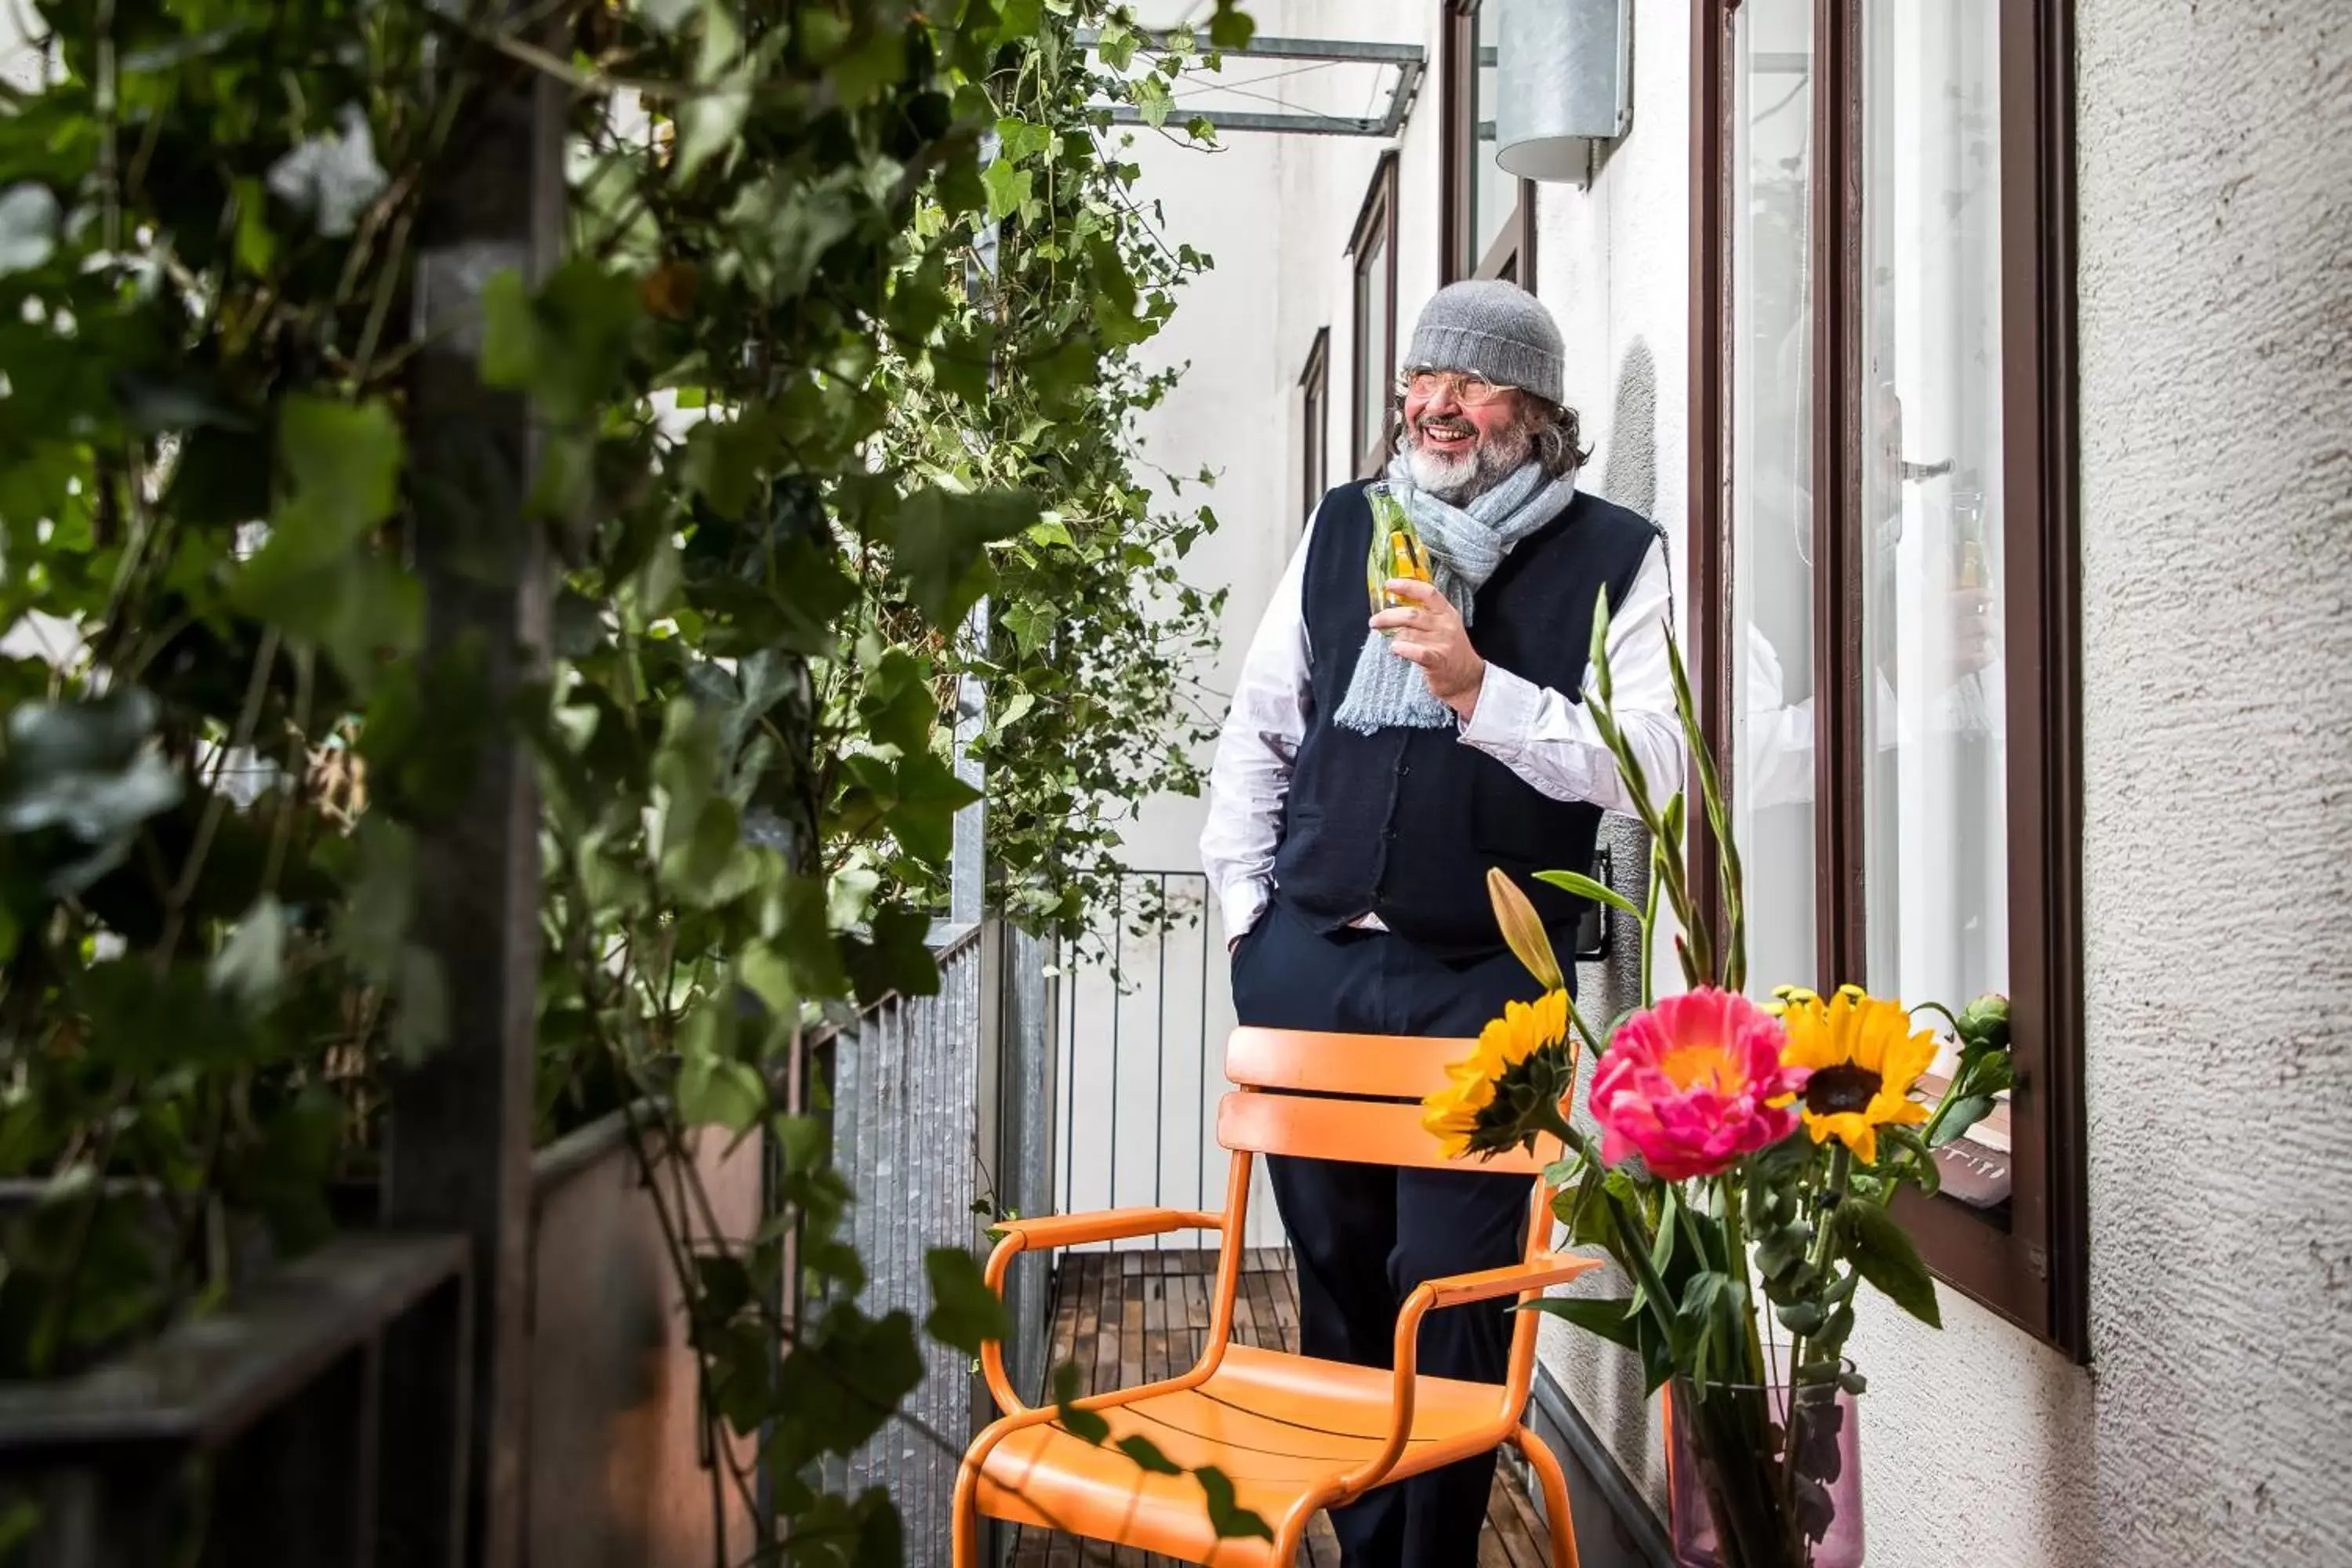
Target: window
{"points": [[1315, 416], [1374, 249], [1488, 216], [1882, 337]]}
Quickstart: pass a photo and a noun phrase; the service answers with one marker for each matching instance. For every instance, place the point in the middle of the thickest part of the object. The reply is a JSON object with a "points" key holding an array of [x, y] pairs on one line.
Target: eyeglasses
{"points": [[1470, 391]]}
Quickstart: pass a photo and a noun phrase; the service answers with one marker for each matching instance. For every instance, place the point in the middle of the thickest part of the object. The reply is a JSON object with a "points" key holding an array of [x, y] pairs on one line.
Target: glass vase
{"points": [[1737, 1497]]}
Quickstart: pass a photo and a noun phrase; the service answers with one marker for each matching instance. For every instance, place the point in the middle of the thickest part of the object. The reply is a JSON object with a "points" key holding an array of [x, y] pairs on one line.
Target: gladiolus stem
{"points": [[1735, 1236]]}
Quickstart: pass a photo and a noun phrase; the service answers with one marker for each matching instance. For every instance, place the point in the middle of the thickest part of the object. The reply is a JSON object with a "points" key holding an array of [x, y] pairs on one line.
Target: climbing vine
{"points": [[841, 347]]}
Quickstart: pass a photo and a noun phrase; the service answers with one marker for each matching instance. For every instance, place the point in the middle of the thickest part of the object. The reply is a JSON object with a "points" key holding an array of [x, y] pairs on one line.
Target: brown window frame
{"points": [[1512, 252], [2030, 1266], [1315, 416], [1377, 215]]}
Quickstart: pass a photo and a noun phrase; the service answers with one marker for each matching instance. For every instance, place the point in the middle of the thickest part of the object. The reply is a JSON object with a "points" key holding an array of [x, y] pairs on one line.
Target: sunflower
{"points": [[1468, 1114], [1864, 1057]]}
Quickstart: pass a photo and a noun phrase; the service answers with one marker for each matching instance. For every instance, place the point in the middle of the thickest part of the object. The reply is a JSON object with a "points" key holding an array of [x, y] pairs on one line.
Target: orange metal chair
{"points": [[1294, 1435]]}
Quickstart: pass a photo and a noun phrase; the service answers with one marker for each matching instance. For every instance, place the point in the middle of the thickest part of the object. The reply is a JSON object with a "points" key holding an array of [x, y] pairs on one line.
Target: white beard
{"points": [[1457, 480]]}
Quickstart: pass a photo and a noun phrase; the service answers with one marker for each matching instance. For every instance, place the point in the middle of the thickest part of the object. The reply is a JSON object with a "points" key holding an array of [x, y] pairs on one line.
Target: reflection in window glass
{"points": [[1493, 195], [1935, 869], [1772, 600]]}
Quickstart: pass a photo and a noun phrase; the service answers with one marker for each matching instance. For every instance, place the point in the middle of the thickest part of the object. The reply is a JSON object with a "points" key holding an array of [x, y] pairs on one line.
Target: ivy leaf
{"points": [[1018, 138], [938, 538], [711, 117], [342, 467], [965, 1312], [332, 178], [28, 227], [1154, 101], [251, 964], [90, 769], [1017, 20], [1010, 188], [1031, 625], [718, 1092], [1116, 46], [564, 347], [1231, 27], [1230, 1522], [1883, 1254]]}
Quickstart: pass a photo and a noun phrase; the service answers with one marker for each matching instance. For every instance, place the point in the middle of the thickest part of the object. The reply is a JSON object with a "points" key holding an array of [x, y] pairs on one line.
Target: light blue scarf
{"points": [[1465, 545]]}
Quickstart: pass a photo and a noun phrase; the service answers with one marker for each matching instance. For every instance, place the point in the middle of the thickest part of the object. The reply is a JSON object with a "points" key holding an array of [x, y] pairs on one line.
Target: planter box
{"points": [[619, 1471], [329, 1407]]}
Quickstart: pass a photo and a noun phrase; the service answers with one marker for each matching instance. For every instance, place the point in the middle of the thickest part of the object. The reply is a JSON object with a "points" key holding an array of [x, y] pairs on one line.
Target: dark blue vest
{"points": [[1405, 822]]}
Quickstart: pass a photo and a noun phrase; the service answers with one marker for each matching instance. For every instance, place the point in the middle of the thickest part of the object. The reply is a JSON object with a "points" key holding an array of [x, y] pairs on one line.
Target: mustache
{"points": [[1452, 424]]}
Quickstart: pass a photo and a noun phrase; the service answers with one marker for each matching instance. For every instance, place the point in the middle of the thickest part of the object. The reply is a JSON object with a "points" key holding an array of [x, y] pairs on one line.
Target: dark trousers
{"points": [[1363, 1236]]}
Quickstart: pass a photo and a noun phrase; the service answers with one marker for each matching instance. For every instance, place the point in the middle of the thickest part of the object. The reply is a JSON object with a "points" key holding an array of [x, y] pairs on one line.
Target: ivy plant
{"points": [[841, 348]]}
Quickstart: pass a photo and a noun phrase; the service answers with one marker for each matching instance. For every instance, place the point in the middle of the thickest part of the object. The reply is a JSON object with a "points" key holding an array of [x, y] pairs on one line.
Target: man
{"points": [[1364, 785]]}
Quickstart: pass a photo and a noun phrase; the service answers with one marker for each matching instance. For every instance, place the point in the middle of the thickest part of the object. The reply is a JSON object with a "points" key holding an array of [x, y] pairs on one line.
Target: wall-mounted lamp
{"points": [[1564, 81]]}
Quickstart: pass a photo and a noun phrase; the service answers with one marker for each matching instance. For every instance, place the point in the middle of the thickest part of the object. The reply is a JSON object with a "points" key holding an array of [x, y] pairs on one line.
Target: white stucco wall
{"points": [[2215, 155]]}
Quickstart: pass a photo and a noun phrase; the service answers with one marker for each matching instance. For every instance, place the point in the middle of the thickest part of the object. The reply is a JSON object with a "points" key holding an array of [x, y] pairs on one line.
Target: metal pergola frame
{"points": [[1410, 59]]}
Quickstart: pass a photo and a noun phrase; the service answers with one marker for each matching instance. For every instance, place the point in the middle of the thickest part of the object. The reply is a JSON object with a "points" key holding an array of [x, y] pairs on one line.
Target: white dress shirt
{"points": [[1538, 734]]}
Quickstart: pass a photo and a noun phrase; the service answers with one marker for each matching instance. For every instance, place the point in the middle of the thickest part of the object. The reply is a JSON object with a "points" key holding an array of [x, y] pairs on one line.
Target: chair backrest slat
{"points": [[1389, 1067], [1377, 1133]]}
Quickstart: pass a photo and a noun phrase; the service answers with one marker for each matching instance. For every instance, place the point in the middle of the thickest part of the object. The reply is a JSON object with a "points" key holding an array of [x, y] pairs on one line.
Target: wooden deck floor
{"points": [[1128, 1317]]}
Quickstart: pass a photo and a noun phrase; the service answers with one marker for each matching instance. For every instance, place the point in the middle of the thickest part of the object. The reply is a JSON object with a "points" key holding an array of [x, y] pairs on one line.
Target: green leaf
{"points": [[1963, 1114], [28, 227], [1018, 19], [1586, 887], [564, 347], [1230, 1522], [1883, 1254], [1152, 101], [965, 1312], [341, 467], [252, 962], [1019, 140], [1231, 27], [718, 1092], [420, 1018], [711, 117], [1010, 188], [938, 540], [1607, 1318], [1116, 44]]}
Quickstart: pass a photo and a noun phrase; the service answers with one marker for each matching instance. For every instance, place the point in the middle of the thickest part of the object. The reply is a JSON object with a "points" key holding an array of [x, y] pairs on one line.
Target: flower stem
{"points": [[1735, 1234]]}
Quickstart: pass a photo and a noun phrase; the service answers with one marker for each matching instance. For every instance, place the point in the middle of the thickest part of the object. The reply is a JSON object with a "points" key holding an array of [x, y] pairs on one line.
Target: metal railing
{"points": [[1146, 1003], [941, 1112]]}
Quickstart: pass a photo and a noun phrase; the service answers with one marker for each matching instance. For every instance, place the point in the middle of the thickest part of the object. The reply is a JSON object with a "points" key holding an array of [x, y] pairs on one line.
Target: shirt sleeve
{"points": [[1550, 740], [1250, 775]]}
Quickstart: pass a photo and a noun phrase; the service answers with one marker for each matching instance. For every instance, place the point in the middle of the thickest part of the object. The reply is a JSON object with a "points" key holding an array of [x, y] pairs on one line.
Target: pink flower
{"points": [[1693, 1083]]}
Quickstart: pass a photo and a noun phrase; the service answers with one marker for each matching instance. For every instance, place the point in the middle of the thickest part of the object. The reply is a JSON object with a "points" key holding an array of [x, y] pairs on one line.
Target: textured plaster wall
{"points": [[2215, 155]]}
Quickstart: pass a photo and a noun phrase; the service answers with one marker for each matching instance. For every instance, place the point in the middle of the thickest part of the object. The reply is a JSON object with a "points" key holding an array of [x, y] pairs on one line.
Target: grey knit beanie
{"points": [[1492, 329]]}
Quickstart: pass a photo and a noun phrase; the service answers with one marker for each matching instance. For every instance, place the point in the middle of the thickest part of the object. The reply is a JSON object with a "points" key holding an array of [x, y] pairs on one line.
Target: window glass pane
{"points": [[1373, 315], [1771, 500], [1935, 867], [1493, 195]]}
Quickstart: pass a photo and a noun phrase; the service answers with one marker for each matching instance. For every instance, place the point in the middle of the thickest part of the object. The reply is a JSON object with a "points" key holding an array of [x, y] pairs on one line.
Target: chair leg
{"points": [[1545, 1465], [966, 1536]]}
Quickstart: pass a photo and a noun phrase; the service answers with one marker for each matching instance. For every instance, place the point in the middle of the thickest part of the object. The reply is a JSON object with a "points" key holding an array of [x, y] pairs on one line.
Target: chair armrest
{"points": [[1452, 1291], [1545, 1268], [1016, 1236], [1054, 1230]]}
